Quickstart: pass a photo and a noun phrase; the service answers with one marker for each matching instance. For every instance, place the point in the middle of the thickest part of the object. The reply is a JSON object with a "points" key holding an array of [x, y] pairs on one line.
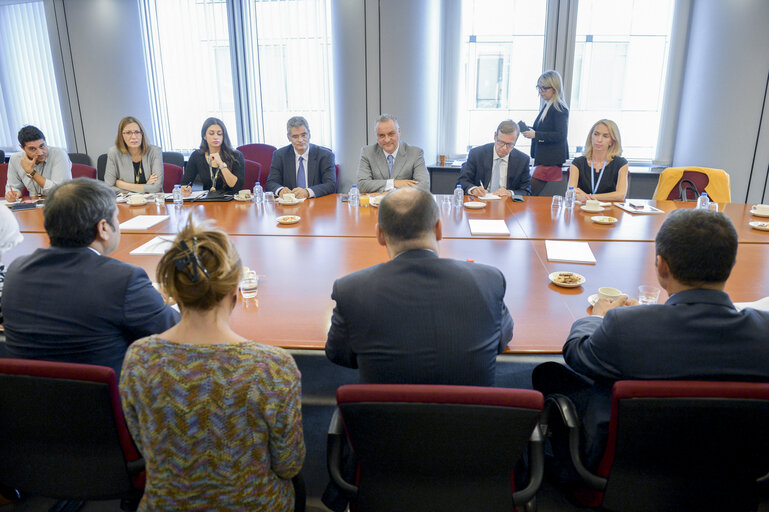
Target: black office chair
{"points": [[173, 157], [101, 166], [80, 158]]}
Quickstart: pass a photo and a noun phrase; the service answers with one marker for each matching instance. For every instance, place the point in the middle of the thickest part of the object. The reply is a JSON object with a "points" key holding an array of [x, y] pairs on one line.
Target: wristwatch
{"points": [[223, 166], [30, 174]]}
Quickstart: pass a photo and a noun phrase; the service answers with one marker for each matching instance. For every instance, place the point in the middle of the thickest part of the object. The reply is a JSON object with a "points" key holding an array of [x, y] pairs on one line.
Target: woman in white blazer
{"points": [[133, 164]]}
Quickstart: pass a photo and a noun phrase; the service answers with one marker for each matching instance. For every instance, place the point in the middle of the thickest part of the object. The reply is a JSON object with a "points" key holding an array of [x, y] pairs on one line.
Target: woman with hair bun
{"points": [[217, 417]]}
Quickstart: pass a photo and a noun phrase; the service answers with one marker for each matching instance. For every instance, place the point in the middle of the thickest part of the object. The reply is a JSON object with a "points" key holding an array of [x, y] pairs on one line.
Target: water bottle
{"points": [[258, 193], [703, 202], [568, 201], [177, 195], [459, 196], [354, 196]]}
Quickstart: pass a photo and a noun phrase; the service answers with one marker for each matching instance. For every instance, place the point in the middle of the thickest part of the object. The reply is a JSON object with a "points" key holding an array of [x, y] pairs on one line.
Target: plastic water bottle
{"points": [[354, 196], [459, 196], [177, 195], [568, 201], [258, 193], [703, 202]]}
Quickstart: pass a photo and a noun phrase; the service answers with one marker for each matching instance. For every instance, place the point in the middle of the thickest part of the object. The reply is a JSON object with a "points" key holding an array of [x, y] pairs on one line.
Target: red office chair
{"points": [[429, 447], [253, 174], [83, 171], [63, 435], [172, 175], [260, 153], [336, 185], [676, 445], [4, 180]]}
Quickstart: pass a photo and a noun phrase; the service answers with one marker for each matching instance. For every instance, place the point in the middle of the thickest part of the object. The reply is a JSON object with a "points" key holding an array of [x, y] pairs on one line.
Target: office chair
{"points": [[173, 157], [172, 175], [687, 183], [83, 171], [253, 174], [260, 153], [80, 158], [101, 166]]}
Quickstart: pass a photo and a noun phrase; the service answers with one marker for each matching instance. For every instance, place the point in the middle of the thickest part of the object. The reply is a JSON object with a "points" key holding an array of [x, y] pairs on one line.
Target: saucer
{"points": [[475, 205], [603, 219], [282, 201], [238, 198], [140, 203], [761, 226], [580, 279], [754, 212], [591, 210], [288, 219]]}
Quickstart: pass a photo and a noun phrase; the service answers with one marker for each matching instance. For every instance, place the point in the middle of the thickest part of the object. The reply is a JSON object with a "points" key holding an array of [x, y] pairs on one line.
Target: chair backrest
{"points": [[678, 183], [253, 174], [173, 157], [2, 156], [172, 175], [62, 432], [101, 166], [3, 176], [83, 171], [686, 445], [260, 153], [452, 447], [80, 158], [336, 185]]}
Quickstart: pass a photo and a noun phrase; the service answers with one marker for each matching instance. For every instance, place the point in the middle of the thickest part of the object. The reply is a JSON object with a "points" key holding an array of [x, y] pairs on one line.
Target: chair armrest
{"points": [[336, 439], [134, 467], [536, 468], [559, 406]]}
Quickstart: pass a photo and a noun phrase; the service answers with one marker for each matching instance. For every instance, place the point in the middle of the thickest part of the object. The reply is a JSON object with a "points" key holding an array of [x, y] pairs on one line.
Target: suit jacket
{"points": [[420, 319], [697, 334], [480, 163], [321, 172], [550, 146], [120, 167], [373, 171], [71, 304]]}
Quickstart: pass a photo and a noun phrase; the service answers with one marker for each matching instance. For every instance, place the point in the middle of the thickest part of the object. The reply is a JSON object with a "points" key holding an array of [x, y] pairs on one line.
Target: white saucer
{"points": [[475, 205], [554, 275], [761, 226], [591, 210], [288, 219], [140, 203], [754, 212], [282, 201], [250, 198], [603, 219]]}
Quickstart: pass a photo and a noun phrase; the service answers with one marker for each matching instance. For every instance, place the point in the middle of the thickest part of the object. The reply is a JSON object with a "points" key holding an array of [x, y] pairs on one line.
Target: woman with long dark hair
{"points": [[220, 166]]}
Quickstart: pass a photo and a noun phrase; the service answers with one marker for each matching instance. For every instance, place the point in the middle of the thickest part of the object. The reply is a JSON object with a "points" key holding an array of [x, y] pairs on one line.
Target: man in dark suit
{"points": [[70, 302], [697, 334], [497, 167], [418, 318], [301, 168]]}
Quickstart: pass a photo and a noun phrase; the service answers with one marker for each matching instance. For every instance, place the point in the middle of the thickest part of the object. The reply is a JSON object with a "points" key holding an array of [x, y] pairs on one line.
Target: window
{"points": [[620, 59], [25, 49]]}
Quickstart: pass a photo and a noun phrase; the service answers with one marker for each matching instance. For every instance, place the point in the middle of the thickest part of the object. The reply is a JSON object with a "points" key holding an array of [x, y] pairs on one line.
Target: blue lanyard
{"points": [[592, 176]]}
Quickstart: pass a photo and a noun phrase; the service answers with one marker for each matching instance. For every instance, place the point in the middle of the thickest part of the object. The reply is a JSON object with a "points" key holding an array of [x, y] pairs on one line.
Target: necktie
{"points": [[390, 165], [301, 182], [494, 183]]}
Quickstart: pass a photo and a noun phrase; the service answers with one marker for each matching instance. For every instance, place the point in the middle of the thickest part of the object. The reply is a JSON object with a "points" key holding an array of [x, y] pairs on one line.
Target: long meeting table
{"points": [[298, 263]]}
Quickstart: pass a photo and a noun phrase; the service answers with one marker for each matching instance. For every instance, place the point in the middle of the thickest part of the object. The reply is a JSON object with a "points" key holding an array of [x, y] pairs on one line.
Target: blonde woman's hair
{"points": [[616, 147], [552, 78], [201, 268], [120, 142]]}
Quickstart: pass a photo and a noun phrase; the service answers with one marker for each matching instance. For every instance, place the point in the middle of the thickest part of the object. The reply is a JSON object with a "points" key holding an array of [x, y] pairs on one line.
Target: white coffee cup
{"points": [[761, 208], [592, 204], [289, 198], [607, 292], [244, 194]]}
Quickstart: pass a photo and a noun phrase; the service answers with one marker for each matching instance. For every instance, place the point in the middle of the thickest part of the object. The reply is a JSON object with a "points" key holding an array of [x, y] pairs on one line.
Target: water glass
{"points": [[713, 207], [269, 199], [557, 202], [249, 285], [648, 294], [160, 198]]}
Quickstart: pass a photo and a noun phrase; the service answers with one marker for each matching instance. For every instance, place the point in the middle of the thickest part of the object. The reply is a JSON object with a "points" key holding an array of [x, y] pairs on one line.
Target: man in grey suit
{"points": [[389, 163], [419, 318]]}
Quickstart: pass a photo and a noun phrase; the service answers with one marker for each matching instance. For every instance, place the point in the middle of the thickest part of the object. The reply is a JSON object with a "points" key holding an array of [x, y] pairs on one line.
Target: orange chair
{"points": [[261, 154], [678, 183], [83, 171], [172, 175]]}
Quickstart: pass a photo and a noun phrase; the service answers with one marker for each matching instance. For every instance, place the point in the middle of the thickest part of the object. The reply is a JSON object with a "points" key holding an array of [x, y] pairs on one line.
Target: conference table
{"points": [[298, 263]]}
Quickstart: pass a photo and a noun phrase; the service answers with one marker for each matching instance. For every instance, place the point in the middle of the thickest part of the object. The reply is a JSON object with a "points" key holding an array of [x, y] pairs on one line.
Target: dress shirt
{"points": [[391, 182], [56, 169], [502, 172]]}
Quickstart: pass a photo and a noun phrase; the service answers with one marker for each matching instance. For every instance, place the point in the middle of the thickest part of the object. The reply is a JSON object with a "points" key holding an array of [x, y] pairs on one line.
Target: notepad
{"points": [[142, 222], [158, 245], [488, 227], [570, 252], [637, 207], [489, 197]]}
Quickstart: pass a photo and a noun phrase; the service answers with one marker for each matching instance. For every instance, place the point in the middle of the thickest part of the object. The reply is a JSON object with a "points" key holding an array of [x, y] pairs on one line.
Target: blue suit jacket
{"points": [[321, 172], [479, 165], [421, 319], [697, 334], [550, 146], [71, 304]]}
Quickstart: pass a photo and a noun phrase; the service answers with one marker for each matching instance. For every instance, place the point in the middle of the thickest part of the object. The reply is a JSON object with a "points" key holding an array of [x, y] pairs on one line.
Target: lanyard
{"points": [[592, 176]]}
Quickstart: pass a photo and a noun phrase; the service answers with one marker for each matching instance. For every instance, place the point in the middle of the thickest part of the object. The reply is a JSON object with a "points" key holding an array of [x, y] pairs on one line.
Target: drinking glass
{"points": [[269, 199], [249, 285], [160, 199], [364, 200], [557, 202], [648, 294], [713, 207]]}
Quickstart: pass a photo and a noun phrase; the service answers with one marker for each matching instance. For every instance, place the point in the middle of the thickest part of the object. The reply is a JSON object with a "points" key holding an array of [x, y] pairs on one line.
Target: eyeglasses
{"points": [[543, 87], [300, 136], [136, 132], [502, 144]]}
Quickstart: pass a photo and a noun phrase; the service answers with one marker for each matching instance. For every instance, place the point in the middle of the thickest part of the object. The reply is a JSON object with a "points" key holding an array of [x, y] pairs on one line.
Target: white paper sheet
{"points": [[488, 227], [158, 245], [637, 207], [760, 304], [571, 252], [142, 222], [490, 197]]}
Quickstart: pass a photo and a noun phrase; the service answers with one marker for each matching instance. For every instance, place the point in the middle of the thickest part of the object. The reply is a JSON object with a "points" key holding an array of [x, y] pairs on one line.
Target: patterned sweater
{"points": [[219, 426]]}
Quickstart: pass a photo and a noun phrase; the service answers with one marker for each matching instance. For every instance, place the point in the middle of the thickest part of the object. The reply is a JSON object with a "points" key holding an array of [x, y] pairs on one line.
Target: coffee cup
{"points": [[289, 198], [136, 199], [592, 204], [761, 208], [607, 292], [244, 194]]}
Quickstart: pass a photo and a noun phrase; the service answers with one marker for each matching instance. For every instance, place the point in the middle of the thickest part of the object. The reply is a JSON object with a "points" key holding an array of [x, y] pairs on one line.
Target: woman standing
{"points": [[549, 147], [133, 164], [220, 167], [600, 173]]}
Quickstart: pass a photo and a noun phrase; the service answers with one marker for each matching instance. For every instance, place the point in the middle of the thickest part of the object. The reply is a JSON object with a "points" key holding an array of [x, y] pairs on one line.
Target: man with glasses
{"points": [[497, 167], [301, 168], [38, 168]]}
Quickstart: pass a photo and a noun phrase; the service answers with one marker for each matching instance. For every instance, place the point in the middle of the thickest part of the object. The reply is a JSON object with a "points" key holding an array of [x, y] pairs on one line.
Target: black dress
{"points": [[608, 180]]}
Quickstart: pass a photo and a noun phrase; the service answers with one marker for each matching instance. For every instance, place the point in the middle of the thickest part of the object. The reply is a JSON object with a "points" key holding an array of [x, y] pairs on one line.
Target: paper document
{"points": [[760, 304], [637, 207], [489, 197], [571, 252], [142, 222], [158, 245], [488, 227]]}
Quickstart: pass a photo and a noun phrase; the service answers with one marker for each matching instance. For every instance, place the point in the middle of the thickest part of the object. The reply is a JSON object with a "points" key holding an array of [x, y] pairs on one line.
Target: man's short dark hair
{"points": [[699, 246], [74, 209], [30, 133], [407, 214]]}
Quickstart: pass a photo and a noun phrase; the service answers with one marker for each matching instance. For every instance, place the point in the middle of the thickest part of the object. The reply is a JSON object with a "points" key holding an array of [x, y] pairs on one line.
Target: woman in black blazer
{"points": [[549, 147]]}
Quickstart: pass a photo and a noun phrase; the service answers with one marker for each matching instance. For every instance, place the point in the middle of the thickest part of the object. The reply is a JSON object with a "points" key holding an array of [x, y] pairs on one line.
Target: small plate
{"points": [[282, 201], [754, 212], [374, 200], [288, 219], [603, 219], [580, 279], [591, 210], [237, 198], [475, 205], [761, 226], [140, 203]]}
